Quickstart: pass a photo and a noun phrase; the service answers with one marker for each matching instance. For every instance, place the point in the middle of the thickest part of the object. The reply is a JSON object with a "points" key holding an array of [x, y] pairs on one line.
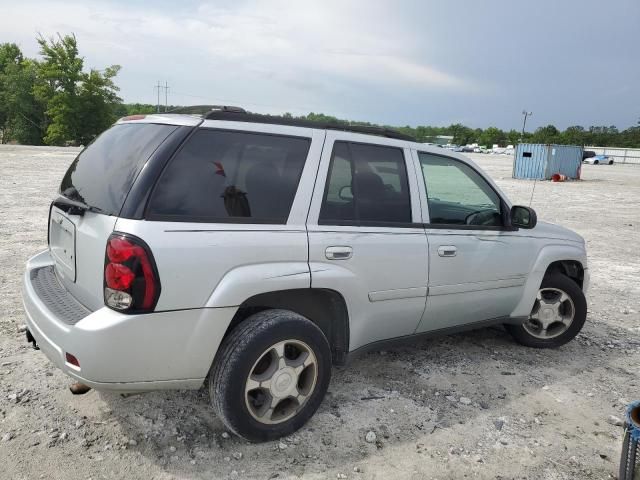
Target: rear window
{"points": [[103, 173], [229, 176]]}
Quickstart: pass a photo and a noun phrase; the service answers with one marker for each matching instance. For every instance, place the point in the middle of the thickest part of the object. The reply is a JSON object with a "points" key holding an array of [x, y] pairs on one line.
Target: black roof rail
{"points": [[226, 108], [237, 114], [204, 110]]}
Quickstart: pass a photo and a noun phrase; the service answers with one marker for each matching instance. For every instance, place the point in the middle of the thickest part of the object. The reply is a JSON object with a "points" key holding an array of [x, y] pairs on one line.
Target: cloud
{"points": [[292, 38], [415, 61]]}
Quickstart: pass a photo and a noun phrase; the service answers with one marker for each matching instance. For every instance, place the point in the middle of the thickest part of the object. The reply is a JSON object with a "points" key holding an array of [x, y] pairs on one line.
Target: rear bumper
{"points": [[163, 350]]}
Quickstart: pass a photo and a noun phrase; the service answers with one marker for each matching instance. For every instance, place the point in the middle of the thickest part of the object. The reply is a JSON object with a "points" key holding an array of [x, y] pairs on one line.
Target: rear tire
{"points": [[270, 375], [532, 333]]}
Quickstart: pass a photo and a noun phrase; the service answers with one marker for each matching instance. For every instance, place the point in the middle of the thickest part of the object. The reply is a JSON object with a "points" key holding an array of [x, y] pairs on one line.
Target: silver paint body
{"points": [[395, 281]]}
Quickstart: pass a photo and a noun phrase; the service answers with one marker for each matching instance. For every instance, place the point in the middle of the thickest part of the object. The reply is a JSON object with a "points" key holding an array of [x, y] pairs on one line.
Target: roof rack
{"points": [[237, 114], [205, 109]]}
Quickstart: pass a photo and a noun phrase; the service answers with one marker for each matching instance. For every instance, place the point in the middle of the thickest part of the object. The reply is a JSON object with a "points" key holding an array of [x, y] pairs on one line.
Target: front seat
{"points": [[263, 184], [369, 195]]}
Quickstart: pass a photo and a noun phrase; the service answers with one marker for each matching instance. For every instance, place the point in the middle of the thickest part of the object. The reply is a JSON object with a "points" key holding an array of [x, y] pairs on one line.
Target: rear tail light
{"points": [[131, 281]]}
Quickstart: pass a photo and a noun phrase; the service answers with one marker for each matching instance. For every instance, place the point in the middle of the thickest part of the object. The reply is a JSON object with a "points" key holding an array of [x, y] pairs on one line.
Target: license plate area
{"points": [[62, 244]]}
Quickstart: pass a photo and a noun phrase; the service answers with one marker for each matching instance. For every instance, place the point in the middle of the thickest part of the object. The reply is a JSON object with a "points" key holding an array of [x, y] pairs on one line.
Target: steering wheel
{"points": [[488, 217]]}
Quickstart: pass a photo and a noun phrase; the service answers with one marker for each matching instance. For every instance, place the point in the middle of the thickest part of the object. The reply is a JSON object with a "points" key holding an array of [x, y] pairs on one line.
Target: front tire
{"points": [[270, 375], [557, 316]]}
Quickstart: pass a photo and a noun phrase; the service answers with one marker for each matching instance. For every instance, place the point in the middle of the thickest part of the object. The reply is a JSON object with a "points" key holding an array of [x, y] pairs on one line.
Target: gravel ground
{"points": [[473, 405]]}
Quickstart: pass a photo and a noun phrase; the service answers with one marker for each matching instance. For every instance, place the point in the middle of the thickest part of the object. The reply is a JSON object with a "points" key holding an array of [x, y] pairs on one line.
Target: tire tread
{"points": [[520, 334], [234, 347]]}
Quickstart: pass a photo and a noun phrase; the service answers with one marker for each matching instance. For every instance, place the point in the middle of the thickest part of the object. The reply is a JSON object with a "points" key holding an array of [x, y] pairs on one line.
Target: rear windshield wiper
{"points": [[74, 207]]}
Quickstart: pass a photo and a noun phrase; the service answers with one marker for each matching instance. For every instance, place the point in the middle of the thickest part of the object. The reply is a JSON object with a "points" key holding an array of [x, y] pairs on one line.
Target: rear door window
{"points": [[367, 185], [103, 173], [228, 176]]}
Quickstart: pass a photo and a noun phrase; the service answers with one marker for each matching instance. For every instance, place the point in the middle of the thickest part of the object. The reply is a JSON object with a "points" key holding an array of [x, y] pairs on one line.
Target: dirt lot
{"points": [[524, 413]]}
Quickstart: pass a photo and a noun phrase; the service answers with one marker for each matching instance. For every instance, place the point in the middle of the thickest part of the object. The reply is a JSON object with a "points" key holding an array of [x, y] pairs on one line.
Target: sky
{"points": [[402, 62]]}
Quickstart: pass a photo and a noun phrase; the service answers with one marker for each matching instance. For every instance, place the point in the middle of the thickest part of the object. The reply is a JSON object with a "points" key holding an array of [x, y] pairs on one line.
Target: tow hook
{"points": [[32, 340]]}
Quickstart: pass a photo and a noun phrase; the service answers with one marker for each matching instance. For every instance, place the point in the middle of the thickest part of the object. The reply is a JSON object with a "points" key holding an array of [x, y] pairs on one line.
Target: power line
{"points": [[166, 95]]}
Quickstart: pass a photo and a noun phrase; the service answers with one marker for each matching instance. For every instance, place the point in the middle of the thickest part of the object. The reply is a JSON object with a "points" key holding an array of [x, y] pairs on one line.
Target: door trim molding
{"points": [[476, 286], [399, 293]]}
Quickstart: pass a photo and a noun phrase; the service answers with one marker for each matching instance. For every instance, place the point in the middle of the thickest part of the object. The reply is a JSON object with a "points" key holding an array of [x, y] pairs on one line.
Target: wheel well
{"points": [[326, 308], [570, 268]]}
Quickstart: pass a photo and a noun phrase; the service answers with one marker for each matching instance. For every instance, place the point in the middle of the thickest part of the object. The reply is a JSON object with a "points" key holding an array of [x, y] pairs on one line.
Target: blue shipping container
{"points": [[539, 161]]}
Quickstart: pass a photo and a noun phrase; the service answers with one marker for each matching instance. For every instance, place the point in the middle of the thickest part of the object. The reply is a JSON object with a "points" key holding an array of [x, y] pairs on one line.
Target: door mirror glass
{"points": [[523, 217]]}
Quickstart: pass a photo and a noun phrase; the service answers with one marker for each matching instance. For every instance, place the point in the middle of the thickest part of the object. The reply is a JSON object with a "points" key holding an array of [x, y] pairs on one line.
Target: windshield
{"points": [[103, 173]]}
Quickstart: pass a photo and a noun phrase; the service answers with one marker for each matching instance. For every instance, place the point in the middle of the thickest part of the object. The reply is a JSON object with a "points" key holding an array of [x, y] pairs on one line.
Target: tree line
{"points": [[54, 101], [604, 136]]}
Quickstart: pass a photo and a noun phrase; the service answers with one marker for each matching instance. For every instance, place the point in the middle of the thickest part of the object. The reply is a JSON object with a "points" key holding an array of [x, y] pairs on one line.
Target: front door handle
{"points": [[339, 253], [447, 250]]}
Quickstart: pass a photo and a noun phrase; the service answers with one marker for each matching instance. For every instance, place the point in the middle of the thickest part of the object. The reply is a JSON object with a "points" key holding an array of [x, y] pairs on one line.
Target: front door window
{"points": [[457, 194]]}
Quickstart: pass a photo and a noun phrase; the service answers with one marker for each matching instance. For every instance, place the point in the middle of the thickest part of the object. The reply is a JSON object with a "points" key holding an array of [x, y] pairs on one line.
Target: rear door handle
{"points": [[447, 250], [339, 253]]}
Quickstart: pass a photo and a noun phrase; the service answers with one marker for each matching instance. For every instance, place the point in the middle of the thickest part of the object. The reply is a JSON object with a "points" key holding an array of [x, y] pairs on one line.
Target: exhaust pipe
{"points": [[79, 388]]}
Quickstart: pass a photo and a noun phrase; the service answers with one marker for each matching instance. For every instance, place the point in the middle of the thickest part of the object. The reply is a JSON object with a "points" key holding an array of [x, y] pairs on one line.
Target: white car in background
{"points": [[599, 160]]}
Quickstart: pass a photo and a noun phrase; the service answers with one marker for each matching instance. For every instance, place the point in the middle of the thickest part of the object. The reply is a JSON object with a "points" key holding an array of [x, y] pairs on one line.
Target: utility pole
{"points": [[524, 123], [157, 87], [166, 96]]}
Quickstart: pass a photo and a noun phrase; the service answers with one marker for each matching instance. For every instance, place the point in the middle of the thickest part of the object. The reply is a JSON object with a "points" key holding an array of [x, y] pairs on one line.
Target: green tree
{"points": [[461, 135], [513, 137], [574, 135], [21, 115], [124, 109], [493, 136], [548, 134], [27, 113], [10, 60], [97, 103], [57, 87], [79, 105]]}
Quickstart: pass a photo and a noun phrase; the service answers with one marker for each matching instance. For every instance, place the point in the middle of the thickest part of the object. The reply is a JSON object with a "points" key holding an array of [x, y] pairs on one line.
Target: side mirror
{"points": [[523, 217], [345, 193]]}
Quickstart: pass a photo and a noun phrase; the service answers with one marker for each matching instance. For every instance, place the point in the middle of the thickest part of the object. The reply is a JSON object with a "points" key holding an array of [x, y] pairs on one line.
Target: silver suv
{"points": [[250, 253]]}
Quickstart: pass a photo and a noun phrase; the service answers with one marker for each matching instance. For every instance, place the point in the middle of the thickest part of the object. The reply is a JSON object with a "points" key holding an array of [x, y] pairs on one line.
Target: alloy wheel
{"points": [[281, 381], [552, 314]]}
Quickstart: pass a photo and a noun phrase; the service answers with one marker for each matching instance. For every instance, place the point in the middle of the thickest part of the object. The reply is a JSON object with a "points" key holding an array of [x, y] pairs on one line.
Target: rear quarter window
{"points": [[103, 173], [222, 176]]}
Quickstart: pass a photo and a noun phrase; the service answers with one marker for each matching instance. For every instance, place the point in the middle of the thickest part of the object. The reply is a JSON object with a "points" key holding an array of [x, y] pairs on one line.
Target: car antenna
{"points": [[532, 190]]}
